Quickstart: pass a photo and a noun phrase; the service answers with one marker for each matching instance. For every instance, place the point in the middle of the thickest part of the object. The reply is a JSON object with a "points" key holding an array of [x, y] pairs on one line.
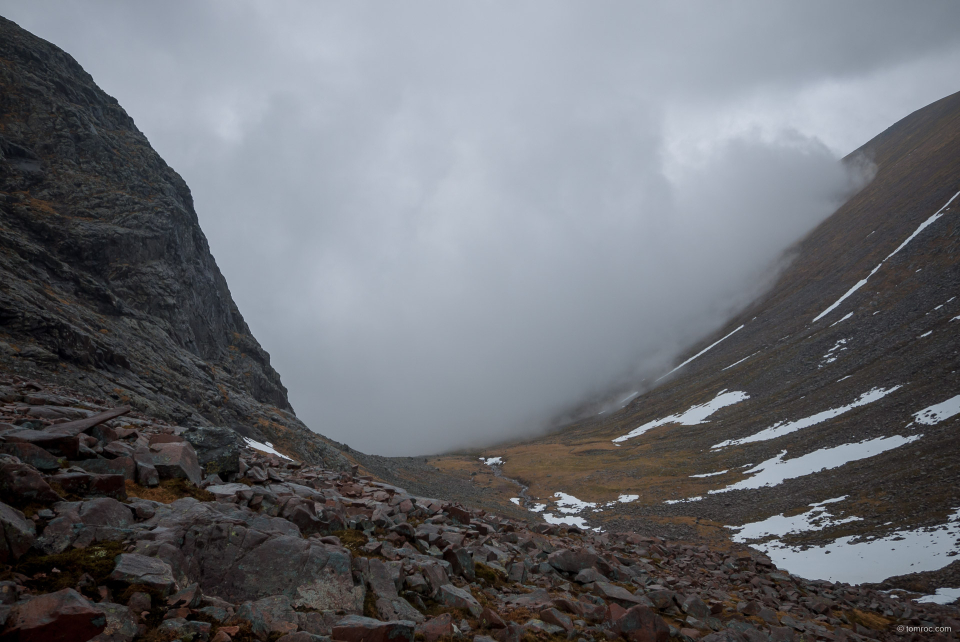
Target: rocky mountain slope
{"points": [[118, 526], [107, 283], [839, 384]]}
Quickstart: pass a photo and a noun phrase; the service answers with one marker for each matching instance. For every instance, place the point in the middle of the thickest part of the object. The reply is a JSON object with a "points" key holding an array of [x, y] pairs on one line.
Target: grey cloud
{"points": [[451, 223]]}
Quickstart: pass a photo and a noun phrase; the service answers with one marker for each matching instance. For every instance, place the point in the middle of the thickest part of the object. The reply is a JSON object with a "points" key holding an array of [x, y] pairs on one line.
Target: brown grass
{"points": [[169, 491]]}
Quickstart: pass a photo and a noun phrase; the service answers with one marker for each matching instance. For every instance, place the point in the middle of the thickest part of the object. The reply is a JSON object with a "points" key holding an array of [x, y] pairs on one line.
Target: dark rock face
{"points": [[106, 279]]}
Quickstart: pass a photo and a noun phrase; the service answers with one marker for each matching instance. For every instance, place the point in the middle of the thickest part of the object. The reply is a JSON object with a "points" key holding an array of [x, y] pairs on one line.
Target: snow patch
{"points": [[849, 314], [785, 428], [815, 519], [492, 461], [776, 470], [693, 416], [702, 352], [570, 505], [942, 596], [267, 447], [856, 562], [719, 472], [925, 334], [862, 282], [938, 412]]}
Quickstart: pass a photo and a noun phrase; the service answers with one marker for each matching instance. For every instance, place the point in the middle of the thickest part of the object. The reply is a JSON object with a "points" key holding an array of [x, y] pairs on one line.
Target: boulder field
{"points": [[117, 526]]}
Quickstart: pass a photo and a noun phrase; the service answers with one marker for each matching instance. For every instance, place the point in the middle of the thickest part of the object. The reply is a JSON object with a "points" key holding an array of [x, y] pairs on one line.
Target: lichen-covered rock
{"points": [[217, 449], [356, 628], [152, 572], [24, 483], [176, 460]]}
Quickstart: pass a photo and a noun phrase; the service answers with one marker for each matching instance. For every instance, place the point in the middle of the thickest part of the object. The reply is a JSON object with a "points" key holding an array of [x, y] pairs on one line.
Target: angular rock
{"points": [[23, 482], [104, 511], [132, 568], [438, 627], [398, 608], [177, 460], [303, 636], [268, 616], [92, 484], [553, 616], [17, 534], [183, 629], [217, 449], [458, 598], [588, 575], [56, 444], [696, 607], [74, 428], [642, 624], [31, 454], [461, 562], [121, 623], [614, 593], [124, 466], [64, 616], [227, 492], [356, 628], [147, 474], [571, 561], [490, 619]]}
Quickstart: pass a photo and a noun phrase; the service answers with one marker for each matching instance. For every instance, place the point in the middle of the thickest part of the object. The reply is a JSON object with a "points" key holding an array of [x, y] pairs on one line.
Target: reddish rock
{"points": [[31, 454], [459, 514], [614, 593], [614, 612], [571, 561], [268, 616], [61, 445], [553, 616], [105, 511], [439, 627], [490, 619], [641, 624], [124, 466], [74, 428], [461, 562], [356, 628], [147, 474], [92, 484], [459, 598], [177, 460], [17, 534], [64, 616], [25, 483]]}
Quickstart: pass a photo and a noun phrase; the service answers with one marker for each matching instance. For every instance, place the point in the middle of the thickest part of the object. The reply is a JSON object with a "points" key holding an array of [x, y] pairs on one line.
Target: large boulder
{"points": [[121, 623], [217, 449], [177, 460], [571, 561], [61, 445], [17, 534], [124, 466], [227, 548], [105, 511], [132, 568], [92, 484], [64, 616], [458, 598], [147, 474], [24, 482], [642, 624], [31, 454]]}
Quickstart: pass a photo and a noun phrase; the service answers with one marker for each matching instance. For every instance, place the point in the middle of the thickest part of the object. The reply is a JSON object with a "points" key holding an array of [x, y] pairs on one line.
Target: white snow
{"points": [[925, 334], [624, 499], [570, 505], [942, 596], [492, 461], [719, 472], [681, 501], [702, 352], [955, 318], [938, 412], [846, 560], [777, 469], [848, 315], [815, 519], [693, 416], [739, 362], [842, 378], [628, 397], [862, 282], [566, 519], [784, 428], [267, 447], [515, 500], [834, 352]]}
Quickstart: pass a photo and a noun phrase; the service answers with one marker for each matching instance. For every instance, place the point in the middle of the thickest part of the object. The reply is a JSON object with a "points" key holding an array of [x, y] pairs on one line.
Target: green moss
{"points": [[51, 573], [490, 575]]}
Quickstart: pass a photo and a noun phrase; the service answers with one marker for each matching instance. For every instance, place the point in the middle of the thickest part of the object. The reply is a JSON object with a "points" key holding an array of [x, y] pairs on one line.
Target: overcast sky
{"points": [[450, 221]]}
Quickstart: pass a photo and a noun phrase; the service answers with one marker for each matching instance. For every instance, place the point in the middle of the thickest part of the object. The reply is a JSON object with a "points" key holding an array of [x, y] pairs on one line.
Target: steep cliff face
{"points": [[108, 283]]}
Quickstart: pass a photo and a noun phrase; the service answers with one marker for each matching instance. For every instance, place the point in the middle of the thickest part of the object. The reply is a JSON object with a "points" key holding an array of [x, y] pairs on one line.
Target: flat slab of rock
{"points": [[74, 428], [25, 483], [58, 444], [458, 598], [64, 616], [92, 484], [132, 568], [571, 561], [31, 454], [356, 628]]}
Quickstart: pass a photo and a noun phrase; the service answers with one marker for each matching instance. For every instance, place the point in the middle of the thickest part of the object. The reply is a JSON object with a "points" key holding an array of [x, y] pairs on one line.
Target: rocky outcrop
{"points": [[107, 283]]}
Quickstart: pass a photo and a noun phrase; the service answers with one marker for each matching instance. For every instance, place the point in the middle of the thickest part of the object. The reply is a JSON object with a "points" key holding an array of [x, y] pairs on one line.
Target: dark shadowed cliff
{"points": [[107, 283]]}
